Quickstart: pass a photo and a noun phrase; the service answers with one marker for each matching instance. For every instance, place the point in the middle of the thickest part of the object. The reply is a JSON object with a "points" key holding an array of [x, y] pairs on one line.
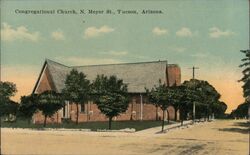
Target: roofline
{"points": [[127, 63], [39, 77], [41, 72], [56, 62]]}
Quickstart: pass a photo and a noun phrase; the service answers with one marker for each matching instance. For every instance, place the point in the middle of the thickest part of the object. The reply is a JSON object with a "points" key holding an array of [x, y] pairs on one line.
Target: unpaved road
{"points": [[221, 137]]}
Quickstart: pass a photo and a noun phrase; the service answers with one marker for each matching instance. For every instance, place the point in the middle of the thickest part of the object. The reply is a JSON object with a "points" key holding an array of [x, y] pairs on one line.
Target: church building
{"points": [[137, 76]]}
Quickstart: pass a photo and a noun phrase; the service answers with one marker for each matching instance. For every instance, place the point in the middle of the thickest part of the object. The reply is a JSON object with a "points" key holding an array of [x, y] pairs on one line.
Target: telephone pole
{"points": [[194, 68]]}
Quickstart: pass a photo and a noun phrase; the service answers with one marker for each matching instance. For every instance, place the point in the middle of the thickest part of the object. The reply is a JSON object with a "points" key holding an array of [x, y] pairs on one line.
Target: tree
{"points": [[9, 109], [181, 100], [184, 101], [219, 108], [28, 106], [246, 77], [246, 73], [176, 98], [49, 102], [7, 89], [160, 96], [241, 111], [203, 95], [7, 106], [110, 95], [152, 97], [77, 89], [193, 95]]}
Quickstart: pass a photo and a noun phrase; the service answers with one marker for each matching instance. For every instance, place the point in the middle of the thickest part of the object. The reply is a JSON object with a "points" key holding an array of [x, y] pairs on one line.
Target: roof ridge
{"points": [[49, 60], [126, 63]]}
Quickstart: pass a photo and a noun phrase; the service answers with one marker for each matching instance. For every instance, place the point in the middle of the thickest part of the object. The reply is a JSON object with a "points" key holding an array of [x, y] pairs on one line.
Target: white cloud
{"points": [[159, 31], [185, 32], [215, 32], [80, 61], [92, 32], [58, 35], [116, 53], [20, 33]]}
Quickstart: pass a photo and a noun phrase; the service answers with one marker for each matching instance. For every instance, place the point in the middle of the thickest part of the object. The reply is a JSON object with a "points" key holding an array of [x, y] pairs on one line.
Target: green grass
{"points": [[116, 125]]}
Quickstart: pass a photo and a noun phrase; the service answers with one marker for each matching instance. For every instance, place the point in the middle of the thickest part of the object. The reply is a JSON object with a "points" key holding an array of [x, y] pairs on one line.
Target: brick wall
{"points": [[92, 113], [38, 118], [45, 82], [174, 75]]}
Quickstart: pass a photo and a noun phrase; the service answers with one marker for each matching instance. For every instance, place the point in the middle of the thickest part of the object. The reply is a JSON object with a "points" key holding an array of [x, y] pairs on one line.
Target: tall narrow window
{"points": [[64, 111], [82, 108]]}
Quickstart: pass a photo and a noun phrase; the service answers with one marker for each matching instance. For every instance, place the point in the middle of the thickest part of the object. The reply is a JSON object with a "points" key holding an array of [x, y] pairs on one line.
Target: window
{"points": [[82, 108], [64, 111]]}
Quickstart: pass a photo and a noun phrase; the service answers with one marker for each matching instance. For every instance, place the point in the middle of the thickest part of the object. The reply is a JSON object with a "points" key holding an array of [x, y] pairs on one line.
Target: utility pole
{"points": [[194, 68], [193, 111]]}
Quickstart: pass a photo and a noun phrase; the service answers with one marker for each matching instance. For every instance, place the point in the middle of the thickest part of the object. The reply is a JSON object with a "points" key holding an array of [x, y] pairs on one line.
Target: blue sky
{"points": [[207, 34]]}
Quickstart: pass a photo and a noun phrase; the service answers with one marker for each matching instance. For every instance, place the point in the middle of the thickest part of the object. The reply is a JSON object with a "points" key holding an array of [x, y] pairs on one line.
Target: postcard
{"points": [[124, 77]]}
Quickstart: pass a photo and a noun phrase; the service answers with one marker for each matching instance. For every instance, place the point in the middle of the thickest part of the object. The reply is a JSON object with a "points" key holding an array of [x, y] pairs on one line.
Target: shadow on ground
{"points": [[240, 127], [242, 124], [193, 149]]}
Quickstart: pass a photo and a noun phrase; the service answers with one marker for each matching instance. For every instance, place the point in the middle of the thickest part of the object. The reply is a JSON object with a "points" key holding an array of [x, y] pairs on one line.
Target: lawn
{"points": [[116, 125]]}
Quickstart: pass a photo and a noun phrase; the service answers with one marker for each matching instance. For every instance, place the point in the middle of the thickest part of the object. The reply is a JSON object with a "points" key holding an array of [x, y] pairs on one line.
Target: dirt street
{"points": [[221, 137]]}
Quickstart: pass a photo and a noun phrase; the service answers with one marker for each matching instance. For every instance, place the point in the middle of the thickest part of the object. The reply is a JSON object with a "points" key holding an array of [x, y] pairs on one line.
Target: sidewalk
{"points": [[157, 130]]}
